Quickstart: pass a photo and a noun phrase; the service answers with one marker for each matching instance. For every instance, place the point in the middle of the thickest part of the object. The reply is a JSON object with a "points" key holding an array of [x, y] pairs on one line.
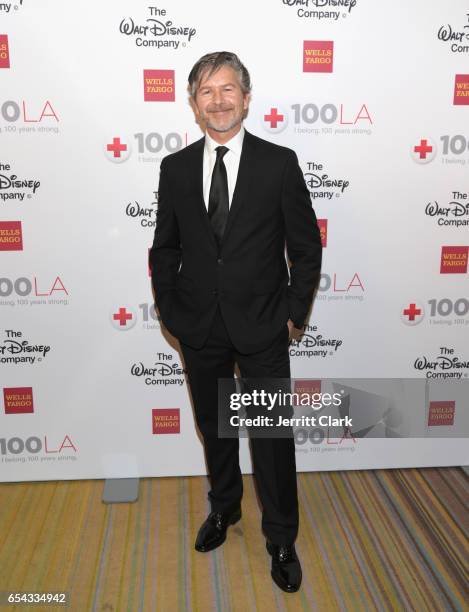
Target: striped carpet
{"points": [[369, 540]]}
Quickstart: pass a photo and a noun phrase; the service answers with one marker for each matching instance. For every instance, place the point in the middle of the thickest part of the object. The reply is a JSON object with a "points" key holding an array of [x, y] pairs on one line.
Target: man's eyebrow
{"points": [[229, 84]]}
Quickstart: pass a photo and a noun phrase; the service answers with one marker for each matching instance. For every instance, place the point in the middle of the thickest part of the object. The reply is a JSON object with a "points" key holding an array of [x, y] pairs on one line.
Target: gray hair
{"points": [[212, 62]]}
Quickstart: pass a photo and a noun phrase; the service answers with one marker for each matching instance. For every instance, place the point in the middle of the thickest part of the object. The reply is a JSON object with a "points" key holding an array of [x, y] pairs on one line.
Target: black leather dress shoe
{"points": [[286, 568], [213, 531]]}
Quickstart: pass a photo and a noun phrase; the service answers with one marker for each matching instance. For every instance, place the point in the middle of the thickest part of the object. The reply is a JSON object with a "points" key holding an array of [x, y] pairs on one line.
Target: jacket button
{"points": [[215, 292], [220, 261]]}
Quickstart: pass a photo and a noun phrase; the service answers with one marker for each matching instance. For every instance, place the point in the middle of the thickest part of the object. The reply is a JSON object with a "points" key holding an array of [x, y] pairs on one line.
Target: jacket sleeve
{"points": [[165, 254], [303, 239]]}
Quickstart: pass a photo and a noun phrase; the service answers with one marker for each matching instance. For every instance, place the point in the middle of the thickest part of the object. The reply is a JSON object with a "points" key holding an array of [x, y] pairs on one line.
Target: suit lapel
{"points": [[246, 163], [197, 180]]}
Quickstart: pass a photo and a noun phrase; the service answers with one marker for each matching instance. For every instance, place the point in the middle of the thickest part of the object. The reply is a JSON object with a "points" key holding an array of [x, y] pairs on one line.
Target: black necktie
{"points": [[218, 203]]}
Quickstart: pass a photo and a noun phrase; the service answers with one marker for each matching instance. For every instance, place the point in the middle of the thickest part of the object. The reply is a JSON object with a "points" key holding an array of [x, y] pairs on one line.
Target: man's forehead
{"points": [[223, 73]]}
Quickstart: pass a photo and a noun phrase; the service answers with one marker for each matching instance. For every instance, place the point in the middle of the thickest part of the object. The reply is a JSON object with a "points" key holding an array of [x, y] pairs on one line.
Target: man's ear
{"points": [[246, 102], [198, 118], [193, 105]]}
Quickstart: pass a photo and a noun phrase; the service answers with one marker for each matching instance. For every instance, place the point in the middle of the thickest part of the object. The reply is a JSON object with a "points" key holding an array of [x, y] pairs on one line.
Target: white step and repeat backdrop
{"points": [[374, 98]]}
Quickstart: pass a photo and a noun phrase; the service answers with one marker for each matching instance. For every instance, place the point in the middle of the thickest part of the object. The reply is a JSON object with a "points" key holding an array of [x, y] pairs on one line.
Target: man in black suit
{"points": [[227, 206]]}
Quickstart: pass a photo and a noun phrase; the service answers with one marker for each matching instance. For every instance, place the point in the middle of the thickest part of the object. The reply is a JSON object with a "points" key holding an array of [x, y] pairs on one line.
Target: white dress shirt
{"points": [[230, 159]]}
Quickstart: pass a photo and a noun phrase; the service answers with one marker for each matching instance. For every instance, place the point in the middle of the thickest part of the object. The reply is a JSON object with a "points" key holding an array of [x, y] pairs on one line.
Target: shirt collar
{"points": [[235, 144]]}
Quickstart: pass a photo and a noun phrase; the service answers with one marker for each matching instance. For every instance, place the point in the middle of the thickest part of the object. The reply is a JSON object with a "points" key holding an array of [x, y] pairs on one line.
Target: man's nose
{"points": [[218, 96]]}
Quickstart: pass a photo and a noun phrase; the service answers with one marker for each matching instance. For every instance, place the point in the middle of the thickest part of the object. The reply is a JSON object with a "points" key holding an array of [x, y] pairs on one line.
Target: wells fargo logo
{"points": [[18, 400], [158, 85], [11, 236], [322, 224], [441, 413], [166, 421], [303, 387], [4, 52], [454, 259], [318, 55], [461, 89]]}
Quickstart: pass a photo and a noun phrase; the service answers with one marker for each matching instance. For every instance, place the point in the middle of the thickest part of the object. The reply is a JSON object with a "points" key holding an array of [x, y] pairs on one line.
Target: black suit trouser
{"points": [[273, 458]]}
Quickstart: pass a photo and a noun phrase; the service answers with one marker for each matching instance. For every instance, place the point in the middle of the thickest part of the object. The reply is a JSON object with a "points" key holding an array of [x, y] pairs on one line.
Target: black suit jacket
{"points": [[248, 276]]}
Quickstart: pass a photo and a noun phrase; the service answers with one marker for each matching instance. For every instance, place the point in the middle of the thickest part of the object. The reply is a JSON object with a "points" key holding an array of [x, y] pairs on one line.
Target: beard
{"points": [[226, 127]]}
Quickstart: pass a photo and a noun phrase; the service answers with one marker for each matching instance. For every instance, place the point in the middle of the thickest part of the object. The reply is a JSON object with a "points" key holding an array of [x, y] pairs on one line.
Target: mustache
{"points": [[221, 107]]}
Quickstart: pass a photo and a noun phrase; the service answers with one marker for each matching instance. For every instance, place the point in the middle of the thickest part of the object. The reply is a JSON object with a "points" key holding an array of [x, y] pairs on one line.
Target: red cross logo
{"points": [[424, 152], [423, 148], [412, 314], [274, 118], [122, 316], [411, 311], [124, 319], [116, 147], [275, 121]]}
